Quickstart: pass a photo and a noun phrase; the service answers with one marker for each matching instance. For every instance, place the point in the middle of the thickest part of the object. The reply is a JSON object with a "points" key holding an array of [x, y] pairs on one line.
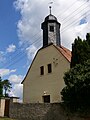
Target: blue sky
{"points": [[8, 21], [8, 35], [21, 34], [10, 63]]}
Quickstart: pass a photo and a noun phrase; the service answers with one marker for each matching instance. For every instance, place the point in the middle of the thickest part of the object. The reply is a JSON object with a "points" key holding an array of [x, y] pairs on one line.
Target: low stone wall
{"points": [[37, 111]]}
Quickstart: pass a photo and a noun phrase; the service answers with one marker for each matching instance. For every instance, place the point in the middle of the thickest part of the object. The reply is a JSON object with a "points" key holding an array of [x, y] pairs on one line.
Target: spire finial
{"points": [[50, 7]]}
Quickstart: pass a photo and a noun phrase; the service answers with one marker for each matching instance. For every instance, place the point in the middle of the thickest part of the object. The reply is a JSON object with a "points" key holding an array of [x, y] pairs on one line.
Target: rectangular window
{"points": [[42, 70], [51, 28], [49, 68]]}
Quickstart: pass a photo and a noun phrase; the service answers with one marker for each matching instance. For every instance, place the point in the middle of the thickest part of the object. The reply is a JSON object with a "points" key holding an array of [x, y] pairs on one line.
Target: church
{"points": [[44, 79]]}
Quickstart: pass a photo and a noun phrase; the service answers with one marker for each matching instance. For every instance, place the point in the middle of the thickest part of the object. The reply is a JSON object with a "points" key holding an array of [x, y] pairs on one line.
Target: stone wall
{"points": [[41, 111]]}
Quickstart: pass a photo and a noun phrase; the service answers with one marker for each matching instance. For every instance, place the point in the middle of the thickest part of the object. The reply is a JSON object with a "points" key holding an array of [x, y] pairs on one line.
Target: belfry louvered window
{"points": [[51, 28]]}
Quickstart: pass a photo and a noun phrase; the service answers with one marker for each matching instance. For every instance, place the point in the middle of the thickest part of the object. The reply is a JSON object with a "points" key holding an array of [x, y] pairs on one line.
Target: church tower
{"points": [[51, 30]]}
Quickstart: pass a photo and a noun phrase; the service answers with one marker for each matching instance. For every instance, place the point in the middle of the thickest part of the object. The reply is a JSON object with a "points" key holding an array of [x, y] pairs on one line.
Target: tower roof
{"points": [[50, 17]]}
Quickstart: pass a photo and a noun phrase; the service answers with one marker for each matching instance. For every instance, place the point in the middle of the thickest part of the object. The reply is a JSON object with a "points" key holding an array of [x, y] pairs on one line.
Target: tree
{"points": [[76, 93], [6, 86], [80, 50], [88, 38], [1, 88]]}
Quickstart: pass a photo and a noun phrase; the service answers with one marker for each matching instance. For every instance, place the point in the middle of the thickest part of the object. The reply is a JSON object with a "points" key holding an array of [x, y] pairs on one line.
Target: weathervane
{"points": [[50, 7]]}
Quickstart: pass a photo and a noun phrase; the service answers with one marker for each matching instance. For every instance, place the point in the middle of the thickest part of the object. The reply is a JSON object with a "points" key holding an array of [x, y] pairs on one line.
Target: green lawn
{"points": [[6, 119]]}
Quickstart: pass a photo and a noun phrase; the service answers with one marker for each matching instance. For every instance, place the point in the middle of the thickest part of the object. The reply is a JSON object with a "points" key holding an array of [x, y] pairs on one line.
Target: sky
{"points": [[21, 34]]}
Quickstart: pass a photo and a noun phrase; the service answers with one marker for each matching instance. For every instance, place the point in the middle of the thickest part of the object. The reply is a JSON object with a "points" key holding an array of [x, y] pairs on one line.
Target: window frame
{"points": [[49, 68], [51, 28], [42, 70]]}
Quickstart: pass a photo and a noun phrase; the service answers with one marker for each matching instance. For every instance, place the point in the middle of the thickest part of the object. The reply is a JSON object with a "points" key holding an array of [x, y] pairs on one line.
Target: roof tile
{"points": [[65, 52]]}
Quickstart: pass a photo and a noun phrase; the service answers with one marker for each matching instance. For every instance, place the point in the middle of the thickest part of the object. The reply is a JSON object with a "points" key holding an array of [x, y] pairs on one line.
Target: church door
{"points": [[46, 99], [6, 111]]}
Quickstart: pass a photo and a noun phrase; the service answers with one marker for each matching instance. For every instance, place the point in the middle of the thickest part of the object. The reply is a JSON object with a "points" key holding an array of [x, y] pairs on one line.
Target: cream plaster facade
{"points": [[2, 107], [35, 86]]}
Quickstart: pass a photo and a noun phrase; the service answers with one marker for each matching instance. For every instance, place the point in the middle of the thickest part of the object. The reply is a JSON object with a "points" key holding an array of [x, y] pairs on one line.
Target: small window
{"points": [[42, 70], [51, 28], [49, 68]]}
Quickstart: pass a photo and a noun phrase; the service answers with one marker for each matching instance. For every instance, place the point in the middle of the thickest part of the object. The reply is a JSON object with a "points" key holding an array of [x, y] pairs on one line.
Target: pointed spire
{"points": [[50, 7]]}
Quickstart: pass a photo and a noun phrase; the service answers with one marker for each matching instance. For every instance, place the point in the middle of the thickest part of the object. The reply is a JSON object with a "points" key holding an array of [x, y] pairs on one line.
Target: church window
{"points": [[49, 68], [51, 28], [42, 70]]}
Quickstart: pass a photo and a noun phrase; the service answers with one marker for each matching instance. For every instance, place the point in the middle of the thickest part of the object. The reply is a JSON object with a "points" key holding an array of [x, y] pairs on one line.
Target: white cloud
{"points": [[69, 13], [17, 91], [17, 87], [11, 48], [4, 72], [2, 58], [82, 28], [15, 79], [31, 51]]}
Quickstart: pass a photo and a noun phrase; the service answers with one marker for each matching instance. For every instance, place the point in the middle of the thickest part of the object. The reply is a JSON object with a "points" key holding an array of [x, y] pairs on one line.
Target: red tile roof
{"points": [[65, 52]]}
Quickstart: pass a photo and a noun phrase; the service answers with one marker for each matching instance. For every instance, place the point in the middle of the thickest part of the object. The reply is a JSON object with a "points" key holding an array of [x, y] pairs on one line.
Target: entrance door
{"points": [[6, 112], [46, 99]]}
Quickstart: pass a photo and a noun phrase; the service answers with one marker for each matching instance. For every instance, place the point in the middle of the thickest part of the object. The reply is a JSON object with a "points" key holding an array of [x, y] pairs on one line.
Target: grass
{"points": [[6, 119]]}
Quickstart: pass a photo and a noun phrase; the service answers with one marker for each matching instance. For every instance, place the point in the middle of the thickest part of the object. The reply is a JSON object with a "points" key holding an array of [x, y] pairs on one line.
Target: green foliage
{"points": [[5, 86], [77, 90], [80, 50], [88, 38]]}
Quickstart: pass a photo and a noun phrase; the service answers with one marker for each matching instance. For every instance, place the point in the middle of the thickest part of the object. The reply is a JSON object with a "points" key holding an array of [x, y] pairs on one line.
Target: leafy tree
{"points": [[80, 50], [1, 88], [76, 93], [88, 38], [6, 86]]}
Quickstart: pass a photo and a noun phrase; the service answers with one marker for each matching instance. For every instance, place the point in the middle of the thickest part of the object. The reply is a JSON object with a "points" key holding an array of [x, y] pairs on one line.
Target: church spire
{"points": [[50, 7]]}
